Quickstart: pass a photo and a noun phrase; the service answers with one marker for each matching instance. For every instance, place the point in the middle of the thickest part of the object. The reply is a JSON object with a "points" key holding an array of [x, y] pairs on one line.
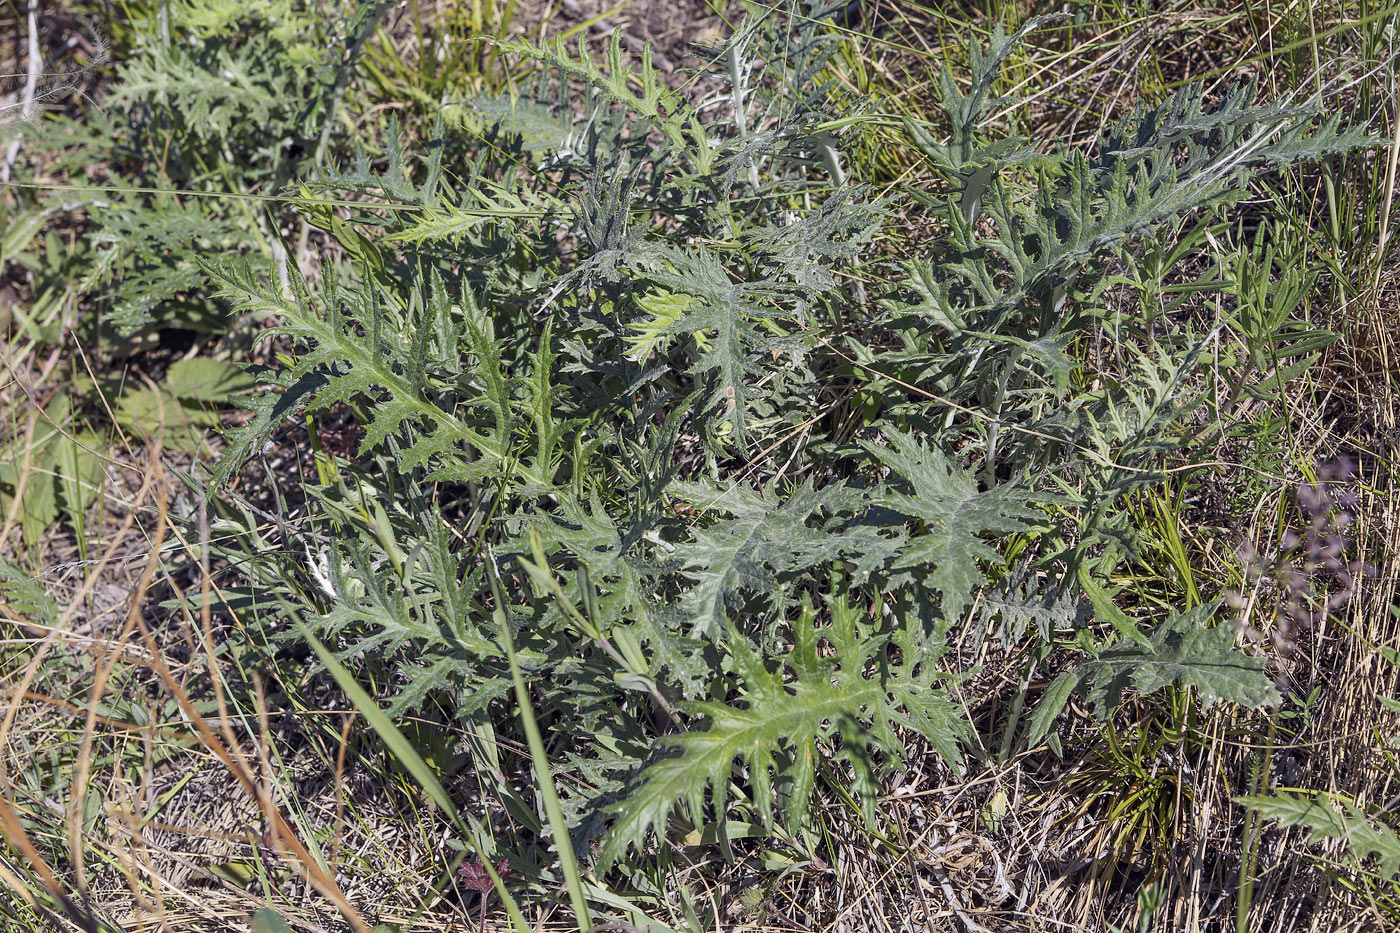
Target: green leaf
{"points": [[1107, 610], [953, 514], [267, 920], [653, 96], [544, 773], [1292, 809], [765, 541], [1052, 703], [403, 750], [150, 412], [1182, 650], [38, 509], [1328, 817], [541, 129], [725, 318], [790, 712], [23, 595], [38, 506], [80, 475], [203, 379], [664, 310]]}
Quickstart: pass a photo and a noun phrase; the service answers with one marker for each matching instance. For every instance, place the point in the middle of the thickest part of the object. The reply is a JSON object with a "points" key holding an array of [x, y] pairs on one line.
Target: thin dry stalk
{"points": [[105, 669], [31, 88]]}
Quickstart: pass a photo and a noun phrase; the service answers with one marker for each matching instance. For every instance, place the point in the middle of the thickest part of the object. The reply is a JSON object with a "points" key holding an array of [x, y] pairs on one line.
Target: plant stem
{"points": [[1249, 861]]}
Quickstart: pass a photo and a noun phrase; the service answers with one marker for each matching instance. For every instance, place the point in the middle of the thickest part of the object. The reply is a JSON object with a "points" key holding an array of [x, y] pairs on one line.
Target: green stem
{"points": [[337, 91], [1249, 863]]}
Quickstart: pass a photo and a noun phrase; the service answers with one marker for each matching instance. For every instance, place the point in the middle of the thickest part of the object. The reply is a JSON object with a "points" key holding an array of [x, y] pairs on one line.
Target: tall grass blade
{"points": [[557, 825], [404, 751]]}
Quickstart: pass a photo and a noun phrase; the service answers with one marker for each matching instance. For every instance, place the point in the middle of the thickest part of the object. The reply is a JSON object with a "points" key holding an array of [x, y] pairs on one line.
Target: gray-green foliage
{"points": [[199, 131], [1364, 838], [714, 578], [1181, 650], [181, 156]]}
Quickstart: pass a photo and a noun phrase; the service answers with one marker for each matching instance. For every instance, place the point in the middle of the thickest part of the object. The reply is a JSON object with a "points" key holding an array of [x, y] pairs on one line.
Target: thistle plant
{"points": [[211, 115], [617, 374]]}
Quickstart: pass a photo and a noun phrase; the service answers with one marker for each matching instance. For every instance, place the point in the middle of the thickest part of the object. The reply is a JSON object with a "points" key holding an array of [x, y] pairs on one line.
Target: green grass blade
{"points": [[404, 751], [558, 828]]}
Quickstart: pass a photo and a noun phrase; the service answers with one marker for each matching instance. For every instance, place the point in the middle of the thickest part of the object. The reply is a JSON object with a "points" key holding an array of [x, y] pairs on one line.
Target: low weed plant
{"points": [[648, 417], [690, 477]]}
